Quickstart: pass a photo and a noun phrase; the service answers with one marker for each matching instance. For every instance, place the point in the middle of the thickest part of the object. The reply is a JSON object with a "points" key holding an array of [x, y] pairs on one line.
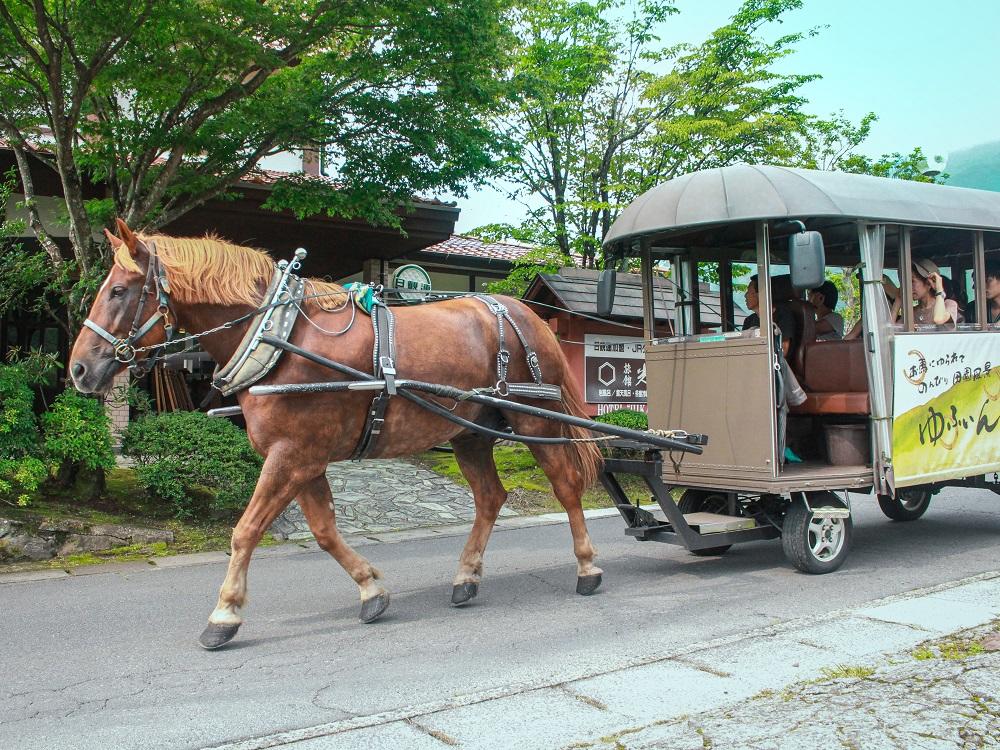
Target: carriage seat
{"points": [[835, 378]]}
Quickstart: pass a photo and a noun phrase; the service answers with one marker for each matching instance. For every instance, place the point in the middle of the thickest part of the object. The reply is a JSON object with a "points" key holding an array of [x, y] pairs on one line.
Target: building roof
{"points": [[472, 247], [744, 193], [575, 289], [257, 176], [337, 247]]}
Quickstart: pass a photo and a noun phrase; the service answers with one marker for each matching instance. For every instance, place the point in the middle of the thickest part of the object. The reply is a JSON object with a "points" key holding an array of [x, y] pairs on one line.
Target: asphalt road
{"points": [[110, 660]]}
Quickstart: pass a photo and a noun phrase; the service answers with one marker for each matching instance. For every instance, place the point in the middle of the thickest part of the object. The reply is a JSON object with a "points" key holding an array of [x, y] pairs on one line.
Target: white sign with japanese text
{"points": [[946, 406], [615, 369]]}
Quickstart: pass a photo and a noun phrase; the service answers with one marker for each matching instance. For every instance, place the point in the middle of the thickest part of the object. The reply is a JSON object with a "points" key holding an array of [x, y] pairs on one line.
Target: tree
{"points": [[597, 120], [577, 104], [598, 124], [168, 103]]}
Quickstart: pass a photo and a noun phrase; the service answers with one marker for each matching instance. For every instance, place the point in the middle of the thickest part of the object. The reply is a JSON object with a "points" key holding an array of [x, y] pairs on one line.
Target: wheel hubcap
{"points": [[911, 500], [826, 537]]}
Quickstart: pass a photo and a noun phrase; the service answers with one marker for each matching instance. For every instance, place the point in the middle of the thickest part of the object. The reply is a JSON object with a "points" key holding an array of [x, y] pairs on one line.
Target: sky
{"points": [[928, 69]]}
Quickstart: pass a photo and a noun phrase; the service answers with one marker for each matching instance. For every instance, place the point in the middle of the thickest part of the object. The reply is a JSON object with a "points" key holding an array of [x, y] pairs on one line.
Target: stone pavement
{"points": [[781, 687], [946, 698], [386, 495]]}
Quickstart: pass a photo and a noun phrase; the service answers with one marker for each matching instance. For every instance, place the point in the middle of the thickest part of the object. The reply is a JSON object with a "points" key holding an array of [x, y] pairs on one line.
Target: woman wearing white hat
{"points": [[931, 305]]}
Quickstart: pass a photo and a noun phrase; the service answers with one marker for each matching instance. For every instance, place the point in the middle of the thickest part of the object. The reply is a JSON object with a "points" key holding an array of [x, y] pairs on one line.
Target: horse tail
{"points": [[586, 456]]}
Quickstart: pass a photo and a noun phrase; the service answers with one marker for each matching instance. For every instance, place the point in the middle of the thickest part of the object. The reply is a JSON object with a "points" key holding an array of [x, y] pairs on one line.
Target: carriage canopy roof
{"points": [[744, 193]]}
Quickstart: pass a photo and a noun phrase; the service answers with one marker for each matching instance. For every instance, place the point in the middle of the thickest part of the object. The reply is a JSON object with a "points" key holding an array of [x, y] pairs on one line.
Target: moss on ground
{"points": [[844, 671]]}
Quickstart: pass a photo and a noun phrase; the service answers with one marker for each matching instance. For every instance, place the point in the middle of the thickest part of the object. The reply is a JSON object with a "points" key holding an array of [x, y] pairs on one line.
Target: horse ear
{"points": [[128, 237], [115, 242]]}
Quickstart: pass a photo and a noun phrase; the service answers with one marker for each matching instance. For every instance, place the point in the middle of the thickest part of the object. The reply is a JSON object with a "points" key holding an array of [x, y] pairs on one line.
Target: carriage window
{"points": [[710, 312], [941, 258]]}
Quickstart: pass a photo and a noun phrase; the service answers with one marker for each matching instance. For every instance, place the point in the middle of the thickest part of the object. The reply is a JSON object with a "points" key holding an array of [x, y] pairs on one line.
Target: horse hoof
{"points": [[463, 592], [587, 585], [372, 609], [215, 635]]}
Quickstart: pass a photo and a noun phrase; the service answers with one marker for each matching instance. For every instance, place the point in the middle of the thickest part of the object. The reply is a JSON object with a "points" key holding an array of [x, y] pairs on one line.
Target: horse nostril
{"points": [[78, 369]]}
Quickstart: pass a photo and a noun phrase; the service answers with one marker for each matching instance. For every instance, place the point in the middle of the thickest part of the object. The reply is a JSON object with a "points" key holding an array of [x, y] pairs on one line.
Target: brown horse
{"points": [[454, 342]]}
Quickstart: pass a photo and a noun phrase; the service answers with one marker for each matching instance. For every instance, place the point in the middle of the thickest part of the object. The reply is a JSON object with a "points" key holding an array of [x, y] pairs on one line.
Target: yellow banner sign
{"points": [[946, 406]]}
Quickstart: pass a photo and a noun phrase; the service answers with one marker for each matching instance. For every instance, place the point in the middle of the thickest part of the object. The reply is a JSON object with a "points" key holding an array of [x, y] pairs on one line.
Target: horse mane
{"points": [[209, 269]]}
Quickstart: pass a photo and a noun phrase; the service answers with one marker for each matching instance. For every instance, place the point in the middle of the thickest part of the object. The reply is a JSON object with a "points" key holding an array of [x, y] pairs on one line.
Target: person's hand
{"points": [[936, 282]]}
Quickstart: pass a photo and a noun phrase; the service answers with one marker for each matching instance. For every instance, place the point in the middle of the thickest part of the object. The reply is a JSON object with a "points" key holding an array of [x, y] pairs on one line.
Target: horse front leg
{"points": [[316, 502], [475, 458], [278, 483]]}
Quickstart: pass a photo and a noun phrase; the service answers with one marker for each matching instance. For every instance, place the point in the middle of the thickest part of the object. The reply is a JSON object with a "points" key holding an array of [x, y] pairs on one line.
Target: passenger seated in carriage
{"points": [[829, 324], [992, 293], [930, 302], [783, 317]]}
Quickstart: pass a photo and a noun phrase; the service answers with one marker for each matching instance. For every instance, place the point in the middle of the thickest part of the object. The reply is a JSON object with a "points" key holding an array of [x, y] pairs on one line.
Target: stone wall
{"points": [[44, 539]]}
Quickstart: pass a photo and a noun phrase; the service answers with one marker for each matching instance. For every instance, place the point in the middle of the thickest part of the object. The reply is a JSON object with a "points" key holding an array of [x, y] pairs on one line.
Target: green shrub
{"points": [[201, 466], [633, 420], [78, 431], [21, 469]]}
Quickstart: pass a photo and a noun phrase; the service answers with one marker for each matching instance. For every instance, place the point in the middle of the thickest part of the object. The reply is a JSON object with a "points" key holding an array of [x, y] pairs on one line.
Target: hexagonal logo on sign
{"points": [[606, 373]]}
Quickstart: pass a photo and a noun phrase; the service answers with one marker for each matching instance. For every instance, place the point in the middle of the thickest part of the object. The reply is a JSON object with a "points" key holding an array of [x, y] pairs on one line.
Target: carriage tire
{"points": [[906, 505], [699, 501], [805, 542]]}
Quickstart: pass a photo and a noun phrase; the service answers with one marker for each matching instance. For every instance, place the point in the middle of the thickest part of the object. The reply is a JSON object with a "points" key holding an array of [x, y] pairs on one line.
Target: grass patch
{"points": [[529, 490], [952, 649], [842, 671]]}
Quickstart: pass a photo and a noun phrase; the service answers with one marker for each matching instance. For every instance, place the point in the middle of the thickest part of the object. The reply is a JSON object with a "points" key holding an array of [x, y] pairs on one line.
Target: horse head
{"points": [[129, 312]]}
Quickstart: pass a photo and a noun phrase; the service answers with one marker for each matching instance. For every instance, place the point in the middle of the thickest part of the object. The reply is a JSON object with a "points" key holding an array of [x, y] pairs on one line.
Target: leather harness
{"points": [[384, 367], [156, 281]]}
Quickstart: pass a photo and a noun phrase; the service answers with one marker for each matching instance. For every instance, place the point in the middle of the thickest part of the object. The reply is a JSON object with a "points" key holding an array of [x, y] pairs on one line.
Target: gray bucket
{"points": [[847, 444]]}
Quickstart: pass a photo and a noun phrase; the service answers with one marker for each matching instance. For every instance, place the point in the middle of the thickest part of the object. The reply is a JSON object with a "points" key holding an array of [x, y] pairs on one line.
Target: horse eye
{"points": [[117, 291]]}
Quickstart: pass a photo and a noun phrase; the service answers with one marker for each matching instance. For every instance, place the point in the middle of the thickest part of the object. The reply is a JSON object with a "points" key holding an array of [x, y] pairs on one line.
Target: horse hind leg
{"points": [[568, 483], [475, 458], [316, 502]]}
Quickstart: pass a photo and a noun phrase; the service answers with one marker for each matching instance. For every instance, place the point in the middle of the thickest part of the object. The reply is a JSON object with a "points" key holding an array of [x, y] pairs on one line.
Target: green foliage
{"points": [[77, 431], [133, 396], [200, 466], [912, 166], [596, 121], [22, 272], [633, 420], [848, 294], [21, 469], [526, 268], [173, 102]]}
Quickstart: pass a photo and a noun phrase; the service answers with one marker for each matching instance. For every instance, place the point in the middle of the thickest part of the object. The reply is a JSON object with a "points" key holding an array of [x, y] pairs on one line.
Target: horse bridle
{"points": [[125, 351]]}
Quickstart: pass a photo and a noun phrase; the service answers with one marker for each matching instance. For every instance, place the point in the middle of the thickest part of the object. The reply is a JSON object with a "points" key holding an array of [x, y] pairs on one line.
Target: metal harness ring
{"points": [[124, 352]]}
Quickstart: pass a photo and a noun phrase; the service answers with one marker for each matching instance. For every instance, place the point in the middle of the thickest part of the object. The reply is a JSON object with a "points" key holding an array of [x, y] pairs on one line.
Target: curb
{"points": [[299, 546]]}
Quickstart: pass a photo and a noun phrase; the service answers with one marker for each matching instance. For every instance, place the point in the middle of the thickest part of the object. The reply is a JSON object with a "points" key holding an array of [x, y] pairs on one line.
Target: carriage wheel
{"points": [[814, 544], [906, 505], [700, 501]]}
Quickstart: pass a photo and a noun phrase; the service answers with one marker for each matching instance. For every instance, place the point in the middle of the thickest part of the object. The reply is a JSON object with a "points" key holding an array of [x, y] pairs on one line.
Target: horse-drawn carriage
{"points": [[315, 384], [899, 410]]}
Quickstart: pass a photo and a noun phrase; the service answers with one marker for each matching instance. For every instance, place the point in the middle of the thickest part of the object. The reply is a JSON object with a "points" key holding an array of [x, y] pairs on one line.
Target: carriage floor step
{"points": [[714, 523]]}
